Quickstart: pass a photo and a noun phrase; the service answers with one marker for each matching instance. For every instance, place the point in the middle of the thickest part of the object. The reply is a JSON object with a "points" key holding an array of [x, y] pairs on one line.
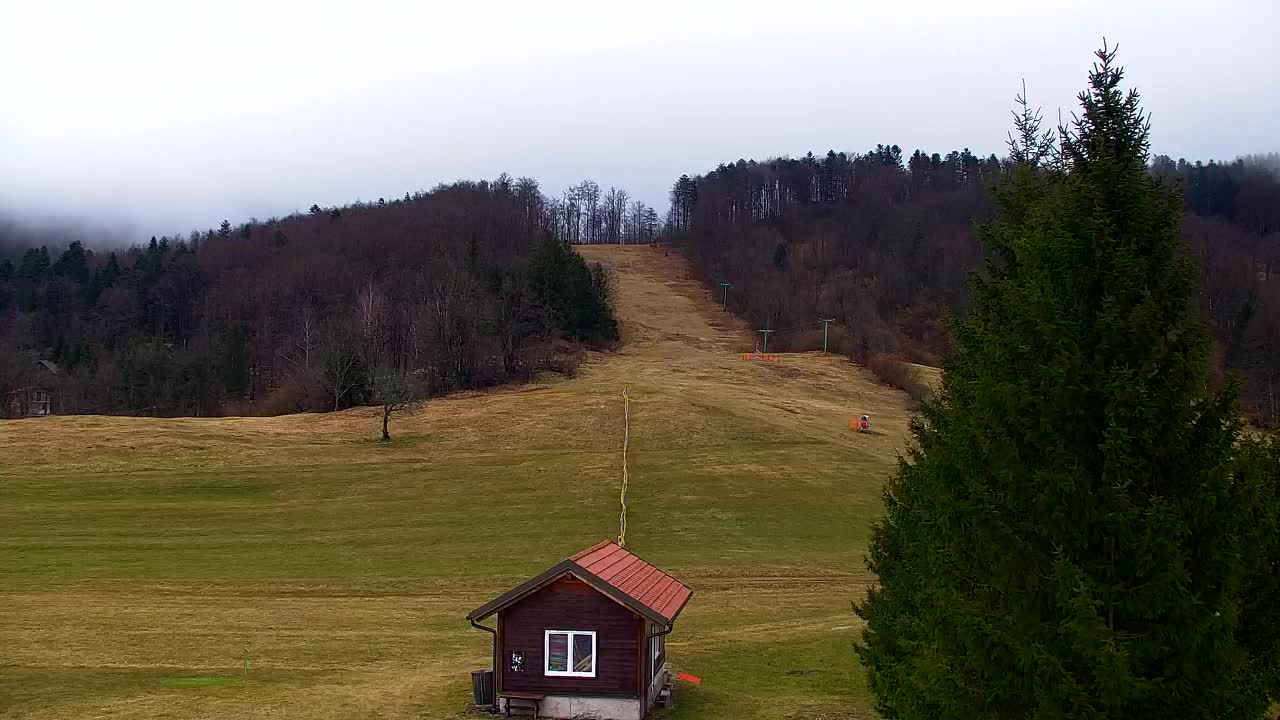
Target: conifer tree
{"points": [[780, 256], [574, 294], [1080, 530], [235, 363]]}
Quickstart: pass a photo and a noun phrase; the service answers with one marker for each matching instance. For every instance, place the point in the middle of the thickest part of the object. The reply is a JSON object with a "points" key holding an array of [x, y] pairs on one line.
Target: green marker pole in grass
{"points": [[766, 339], [724, 299], [824, 322], [246, 661]]}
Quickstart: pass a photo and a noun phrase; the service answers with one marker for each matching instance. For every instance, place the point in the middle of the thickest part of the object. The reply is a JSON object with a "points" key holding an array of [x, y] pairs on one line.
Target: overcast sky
{"points": [[172, 115]]}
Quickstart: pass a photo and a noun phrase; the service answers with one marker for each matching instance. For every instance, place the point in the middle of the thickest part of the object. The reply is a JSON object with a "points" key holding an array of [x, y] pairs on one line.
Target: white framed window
{"points": [[569, 653], [659, 645]]}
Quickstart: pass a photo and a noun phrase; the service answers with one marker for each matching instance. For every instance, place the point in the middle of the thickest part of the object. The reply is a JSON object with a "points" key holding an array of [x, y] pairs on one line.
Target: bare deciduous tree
{"points": [[589, 191], [308, 339], [396, 391], [369, 314], [344, 367], [615, 210]]}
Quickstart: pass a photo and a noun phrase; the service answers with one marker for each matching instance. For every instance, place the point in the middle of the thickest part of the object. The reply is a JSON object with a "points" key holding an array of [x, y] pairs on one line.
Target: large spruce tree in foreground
{"points": [[1081, 530]]}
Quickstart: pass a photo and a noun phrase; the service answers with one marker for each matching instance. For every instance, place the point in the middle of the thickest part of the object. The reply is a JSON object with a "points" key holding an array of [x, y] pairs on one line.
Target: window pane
{"points": [[557, 652], [583, 653]]}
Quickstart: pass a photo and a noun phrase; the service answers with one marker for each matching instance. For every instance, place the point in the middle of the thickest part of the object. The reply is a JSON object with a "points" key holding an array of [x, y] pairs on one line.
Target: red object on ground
{"points": [[689, 678]]}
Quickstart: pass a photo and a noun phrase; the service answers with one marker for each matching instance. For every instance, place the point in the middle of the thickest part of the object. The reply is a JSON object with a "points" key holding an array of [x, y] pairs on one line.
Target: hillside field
{"points": [[140, 558]]}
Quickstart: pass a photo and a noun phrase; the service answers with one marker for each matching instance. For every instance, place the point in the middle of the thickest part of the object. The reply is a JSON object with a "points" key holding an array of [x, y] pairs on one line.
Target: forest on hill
{"points": [[883, 245], [468, 285]]}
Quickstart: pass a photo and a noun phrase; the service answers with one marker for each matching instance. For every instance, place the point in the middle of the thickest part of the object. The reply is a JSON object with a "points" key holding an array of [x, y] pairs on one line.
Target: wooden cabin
{"points": [[586, 638], [37, 399], [29, 402]]}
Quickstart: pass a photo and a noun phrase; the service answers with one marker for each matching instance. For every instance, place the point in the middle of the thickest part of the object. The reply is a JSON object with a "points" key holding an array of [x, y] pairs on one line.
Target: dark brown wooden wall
{"points": [[570, 604], [646, 668]]}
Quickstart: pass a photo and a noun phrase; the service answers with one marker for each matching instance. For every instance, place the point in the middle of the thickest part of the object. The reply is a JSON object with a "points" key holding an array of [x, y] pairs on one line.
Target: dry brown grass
{"points": [[138, 557]]}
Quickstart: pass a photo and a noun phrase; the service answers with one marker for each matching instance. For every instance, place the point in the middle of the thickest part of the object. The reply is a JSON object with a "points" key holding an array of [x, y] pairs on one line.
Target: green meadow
{"points": [[143, 561]]}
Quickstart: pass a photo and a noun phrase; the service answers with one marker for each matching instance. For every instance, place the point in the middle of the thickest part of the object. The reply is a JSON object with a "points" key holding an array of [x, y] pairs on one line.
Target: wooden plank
{"points": [[564, 605], [643, 648], [499, 665]]}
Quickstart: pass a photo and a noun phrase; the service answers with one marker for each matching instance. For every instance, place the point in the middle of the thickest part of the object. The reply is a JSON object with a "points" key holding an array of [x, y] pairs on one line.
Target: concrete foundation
{"points": [[567, 707], [655, 685]]}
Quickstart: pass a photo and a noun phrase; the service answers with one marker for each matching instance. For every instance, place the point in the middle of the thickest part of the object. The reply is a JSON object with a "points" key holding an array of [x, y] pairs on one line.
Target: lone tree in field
{"points": [[1080, 530], [396, 391]]}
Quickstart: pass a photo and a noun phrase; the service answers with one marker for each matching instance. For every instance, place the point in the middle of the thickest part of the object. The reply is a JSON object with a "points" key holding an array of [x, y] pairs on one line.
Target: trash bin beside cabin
{"points": [[482, 687]]}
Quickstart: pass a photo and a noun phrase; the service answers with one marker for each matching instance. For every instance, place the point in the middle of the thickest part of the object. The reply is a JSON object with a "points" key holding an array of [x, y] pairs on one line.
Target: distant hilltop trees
{"points": [[467, 285], [883, 242]]}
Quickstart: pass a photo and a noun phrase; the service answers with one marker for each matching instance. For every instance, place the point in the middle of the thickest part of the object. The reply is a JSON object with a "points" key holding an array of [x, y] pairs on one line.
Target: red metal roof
{"points": [[637, 579], [613, 571]]}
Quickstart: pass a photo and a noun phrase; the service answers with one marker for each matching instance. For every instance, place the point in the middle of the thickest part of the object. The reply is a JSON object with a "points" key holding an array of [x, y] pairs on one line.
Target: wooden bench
{"points": [[529, 701]]}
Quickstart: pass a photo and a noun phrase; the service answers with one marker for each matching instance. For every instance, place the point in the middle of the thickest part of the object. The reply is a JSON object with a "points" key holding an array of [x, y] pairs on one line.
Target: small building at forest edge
{"points": [[585, 638]]}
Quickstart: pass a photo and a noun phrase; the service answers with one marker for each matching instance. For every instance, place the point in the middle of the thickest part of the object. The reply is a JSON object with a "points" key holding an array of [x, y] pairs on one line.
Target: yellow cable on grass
{"points": [[626, 439]]}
